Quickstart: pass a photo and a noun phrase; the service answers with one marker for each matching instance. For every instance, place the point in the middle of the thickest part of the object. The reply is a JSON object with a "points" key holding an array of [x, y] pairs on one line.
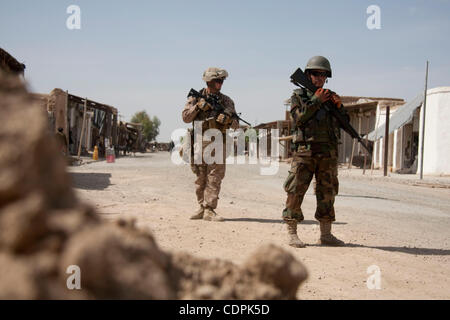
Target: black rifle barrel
{"points": [[299, 78]]}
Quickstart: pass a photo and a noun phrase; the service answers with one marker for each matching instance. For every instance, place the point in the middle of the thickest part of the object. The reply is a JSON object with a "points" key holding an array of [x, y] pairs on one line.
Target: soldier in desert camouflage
{"points": [[316, 138], [209, 176]]}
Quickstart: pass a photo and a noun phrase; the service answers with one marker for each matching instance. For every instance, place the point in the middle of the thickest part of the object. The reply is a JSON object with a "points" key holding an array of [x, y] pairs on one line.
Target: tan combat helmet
{"points": [[214, 73]]}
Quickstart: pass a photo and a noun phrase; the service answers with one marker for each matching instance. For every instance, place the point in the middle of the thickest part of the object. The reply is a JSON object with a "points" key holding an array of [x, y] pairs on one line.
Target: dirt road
{"points": [[404, 230]]}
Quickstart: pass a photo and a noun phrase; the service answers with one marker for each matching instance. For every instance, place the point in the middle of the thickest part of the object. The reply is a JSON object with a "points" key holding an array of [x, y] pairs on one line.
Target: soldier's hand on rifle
{"points": [[203, 105], [234, 124], [222, 118], [336, 100], [323, 95]]}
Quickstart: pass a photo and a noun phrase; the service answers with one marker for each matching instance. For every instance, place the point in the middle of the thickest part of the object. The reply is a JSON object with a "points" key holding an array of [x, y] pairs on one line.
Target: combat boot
{"points": [[293, 241], [211, 215], [199, 213], [326, 238]]}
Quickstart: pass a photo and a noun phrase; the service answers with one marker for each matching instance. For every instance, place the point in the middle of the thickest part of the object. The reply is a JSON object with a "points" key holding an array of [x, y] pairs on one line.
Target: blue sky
{"points": [[146, 55]]}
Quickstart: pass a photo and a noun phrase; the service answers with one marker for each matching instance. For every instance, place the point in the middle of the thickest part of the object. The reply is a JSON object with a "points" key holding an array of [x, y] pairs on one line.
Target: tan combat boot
{"points": [[211, 215], [326, 238], [294, 241], [199, 213]]}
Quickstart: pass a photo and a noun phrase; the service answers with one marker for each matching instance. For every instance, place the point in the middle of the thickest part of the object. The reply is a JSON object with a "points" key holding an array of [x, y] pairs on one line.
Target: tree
{"points": [[150, 126]]}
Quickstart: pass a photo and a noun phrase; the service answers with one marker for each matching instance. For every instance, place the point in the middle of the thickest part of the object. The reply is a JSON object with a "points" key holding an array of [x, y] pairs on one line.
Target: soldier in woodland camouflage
{"points": [[209, 176], [316, 151]]}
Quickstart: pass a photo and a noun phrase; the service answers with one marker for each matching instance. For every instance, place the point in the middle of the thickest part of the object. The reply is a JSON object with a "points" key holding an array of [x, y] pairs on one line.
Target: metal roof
{"points": [[93, 104], [402, 115]]}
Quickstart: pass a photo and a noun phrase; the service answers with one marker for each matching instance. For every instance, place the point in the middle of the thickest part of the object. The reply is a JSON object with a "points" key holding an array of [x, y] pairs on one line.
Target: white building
{"points": [[436, 158], [406, 134]]}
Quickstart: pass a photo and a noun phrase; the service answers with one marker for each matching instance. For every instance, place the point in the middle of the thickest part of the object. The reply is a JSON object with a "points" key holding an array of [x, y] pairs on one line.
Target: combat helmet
{"points": [[319, 63], [214, 73]]}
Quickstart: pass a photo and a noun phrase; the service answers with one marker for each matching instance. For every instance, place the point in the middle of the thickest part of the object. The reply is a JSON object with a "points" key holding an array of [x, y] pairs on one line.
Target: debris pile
{"points": [[44, 229]]}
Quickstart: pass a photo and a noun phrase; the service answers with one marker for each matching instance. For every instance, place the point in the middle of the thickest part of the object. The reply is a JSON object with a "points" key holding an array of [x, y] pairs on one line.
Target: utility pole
{"points": [[365, 151], [423, 122], [386, 141]]}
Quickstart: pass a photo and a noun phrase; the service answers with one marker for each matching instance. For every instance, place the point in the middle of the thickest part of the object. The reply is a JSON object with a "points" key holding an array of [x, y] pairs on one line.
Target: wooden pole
{"points": [[367, 143], [359, 129], [351, 158], [386, 141], [67, 125], [375, 141], [82, 128], [423, 122]]}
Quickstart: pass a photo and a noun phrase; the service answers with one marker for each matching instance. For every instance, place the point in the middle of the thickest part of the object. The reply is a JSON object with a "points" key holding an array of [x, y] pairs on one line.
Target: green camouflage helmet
{"points": [[319, 63], [214, 73]]}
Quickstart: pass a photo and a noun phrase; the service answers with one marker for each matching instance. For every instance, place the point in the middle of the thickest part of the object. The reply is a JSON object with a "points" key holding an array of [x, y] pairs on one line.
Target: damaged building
{"points": [[85, 123], [130, 138], [366, 113], [9, 64]]}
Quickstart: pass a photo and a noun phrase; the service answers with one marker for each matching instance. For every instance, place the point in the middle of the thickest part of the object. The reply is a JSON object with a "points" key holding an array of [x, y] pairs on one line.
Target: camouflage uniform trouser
{"points": [[209, 179], [327, 186]]}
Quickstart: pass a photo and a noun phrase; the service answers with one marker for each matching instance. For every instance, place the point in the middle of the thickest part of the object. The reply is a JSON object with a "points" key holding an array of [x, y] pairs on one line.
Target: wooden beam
{"points": [[82, 128]]}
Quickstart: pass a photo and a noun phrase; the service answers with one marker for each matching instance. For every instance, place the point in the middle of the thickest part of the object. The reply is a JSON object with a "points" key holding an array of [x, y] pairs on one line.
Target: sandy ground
{"points": [[402, 229]]}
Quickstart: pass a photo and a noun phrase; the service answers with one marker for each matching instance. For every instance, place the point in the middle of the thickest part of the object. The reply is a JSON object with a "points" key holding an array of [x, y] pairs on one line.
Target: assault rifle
{"points": [[300, 79], [217, 108]]}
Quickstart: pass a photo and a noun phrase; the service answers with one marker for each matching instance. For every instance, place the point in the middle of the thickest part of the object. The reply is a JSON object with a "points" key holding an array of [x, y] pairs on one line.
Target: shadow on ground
{"points": [[90, 181], [275, 221], [414, 251], [366, 197]]}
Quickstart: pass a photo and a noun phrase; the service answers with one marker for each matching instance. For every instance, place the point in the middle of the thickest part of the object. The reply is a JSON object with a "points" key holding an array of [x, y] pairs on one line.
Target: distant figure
{"points": [[130, 146], [415, 151], [408, 153], [101, 147], [95, 136], [123, 136], [71, 143], [62, 141]]}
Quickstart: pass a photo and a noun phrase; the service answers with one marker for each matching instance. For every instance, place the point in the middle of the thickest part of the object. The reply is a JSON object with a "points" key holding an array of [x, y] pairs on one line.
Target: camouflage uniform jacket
{"points": [[315, 130], [192, 113]]}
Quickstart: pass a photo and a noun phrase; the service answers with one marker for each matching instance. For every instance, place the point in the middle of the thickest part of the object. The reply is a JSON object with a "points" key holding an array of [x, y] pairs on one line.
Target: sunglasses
{"points": [[218, 80], [318, 73]]}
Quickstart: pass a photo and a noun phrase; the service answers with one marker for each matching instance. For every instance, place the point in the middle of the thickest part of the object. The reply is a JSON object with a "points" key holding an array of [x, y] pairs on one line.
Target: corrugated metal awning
{"points": [[403, 115]]}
